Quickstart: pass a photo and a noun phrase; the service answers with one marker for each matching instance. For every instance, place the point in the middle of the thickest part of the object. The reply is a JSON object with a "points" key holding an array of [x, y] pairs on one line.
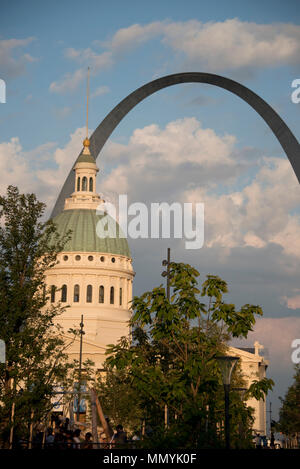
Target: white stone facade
{"points": [[97, 285], [105, 313], [253, 367]]}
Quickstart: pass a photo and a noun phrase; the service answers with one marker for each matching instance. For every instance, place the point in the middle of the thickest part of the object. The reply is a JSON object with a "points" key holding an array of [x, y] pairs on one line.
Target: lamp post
{"points": [[166, 273], [80, 365], [227, 364]]}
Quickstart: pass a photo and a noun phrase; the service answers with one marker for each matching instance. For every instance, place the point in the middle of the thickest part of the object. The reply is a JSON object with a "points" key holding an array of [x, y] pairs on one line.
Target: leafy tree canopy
{"points": [[171, 356]]}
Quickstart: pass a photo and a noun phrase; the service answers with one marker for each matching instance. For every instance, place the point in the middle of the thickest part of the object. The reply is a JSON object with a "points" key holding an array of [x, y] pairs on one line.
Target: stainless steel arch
{"points": [[286, 138]]}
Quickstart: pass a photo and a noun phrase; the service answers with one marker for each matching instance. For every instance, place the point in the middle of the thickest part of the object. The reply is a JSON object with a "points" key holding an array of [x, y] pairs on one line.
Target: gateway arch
{"points": [[285, 137]]}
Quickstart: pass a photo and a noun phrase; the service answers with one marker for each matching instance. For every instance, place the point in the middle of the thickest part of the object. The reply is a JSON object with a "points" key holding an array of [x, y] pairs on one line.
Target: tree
{"points": [[289, 414], [35, 351], [120, 401], [171, 358]]}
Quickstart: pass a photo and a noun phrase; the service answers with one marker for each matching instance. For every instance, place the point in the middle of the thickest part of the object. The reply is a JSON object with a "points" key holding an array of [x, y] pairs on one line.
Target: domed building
{"points": [[94, 278], [94, 274]]}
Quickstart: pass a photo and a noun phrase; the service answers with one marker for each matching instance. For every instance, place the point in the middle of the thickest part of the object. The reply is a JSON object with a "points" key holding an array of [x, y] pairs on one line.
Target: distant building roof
{"points": [[247, 349]]}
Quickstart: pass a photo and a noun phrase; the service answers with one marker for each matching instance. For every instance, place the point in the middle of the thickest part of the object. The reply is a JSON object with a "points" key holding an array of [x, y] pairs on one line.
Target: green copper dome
{"points": [[84, 238], [82, 158]]}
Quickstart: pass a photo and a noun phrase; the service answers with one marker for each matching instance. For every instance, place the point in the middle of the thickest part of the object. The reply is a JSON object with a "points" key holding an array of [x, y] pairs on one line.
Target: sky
{"points": [[188, 143]]}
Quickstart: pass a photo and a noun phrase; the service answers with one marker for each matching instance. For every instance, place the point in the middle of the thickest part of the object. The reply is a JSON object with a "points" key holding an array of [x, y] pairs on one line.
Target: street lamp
{"points": [[227, 364], [80, 365], [166, 273]]}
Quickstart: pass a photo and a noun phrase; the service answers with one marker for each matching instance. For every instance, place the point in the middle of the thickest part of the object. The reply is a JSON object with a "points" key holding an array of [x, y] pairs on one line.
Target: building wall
{"points": [[253, 368], [104, 323]]}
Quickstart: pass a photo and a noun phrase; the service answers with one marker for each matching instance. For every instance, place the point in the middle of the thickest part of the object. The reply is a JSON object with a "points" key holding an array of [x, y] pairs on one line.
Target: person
{"points": [[59, 439], [103, 441], [272, 442], [258, 441], [66, 424], [76, 439], [88, 443], [136, 436], [49, 438], [68, 439], [37, 440], [119, 438]]}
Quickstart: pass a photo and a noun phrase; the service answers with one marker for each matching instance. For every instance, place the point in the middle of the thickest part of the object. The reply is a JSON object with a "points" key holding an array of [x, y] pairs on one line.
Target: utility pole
{"points": [[270, 416], [166, 273], [80, 365], [166, 262]]}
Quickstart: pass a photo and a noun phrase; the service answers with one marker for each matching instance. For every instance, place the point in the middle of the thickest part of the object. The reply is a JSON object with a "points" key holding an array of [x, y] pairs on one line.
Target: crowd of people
{"points": [[261, 442], [63, 437]]}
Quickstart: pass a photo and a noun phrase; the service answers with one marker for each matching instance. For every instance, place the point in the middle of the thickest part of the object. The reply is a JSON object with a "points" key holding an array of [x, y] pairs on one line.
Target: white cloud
{"points": [[214, 46], [292, 302], [88, 56], [276, 335], [257, 215], [100, 91], [234, 44], [69, 82], [33, 171], [185, 162], [182, 162], [13, 63], [201, 146], [252, 229], [222, 45], [155, 157], [64, 159], [133, 36]]}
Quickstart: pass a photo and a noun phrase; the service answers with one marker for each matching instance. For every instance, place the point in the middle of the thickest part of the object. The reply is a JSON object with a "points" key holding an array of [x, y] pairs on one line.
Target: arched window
{"points": [[91, 185], [84, 183], [76, 293], [64, 294], [101, 294], [53, 290], [78, 184], [120, 296], [112, 295], [89, 294]]}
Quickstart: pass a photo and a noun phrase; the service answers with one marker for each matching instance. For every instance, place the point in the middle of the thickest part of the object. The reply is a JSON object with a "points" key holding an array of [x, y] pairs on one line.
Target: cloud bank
{"points": [[217, 47]]}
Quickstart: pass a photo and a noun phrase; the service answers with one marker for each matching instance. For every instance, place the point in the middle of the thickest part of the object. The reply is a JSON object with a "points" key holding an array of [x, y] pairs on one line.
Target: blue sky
{"points": [[223, 153]]}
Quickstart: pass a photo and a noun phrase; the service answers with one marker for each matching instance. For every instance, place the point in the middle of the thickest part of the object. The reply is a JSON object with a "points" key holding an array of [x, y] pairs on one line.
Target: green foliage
{"points": [[120, 400], [170, 360], [35, 351], [259, 389], [289, 415]]}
